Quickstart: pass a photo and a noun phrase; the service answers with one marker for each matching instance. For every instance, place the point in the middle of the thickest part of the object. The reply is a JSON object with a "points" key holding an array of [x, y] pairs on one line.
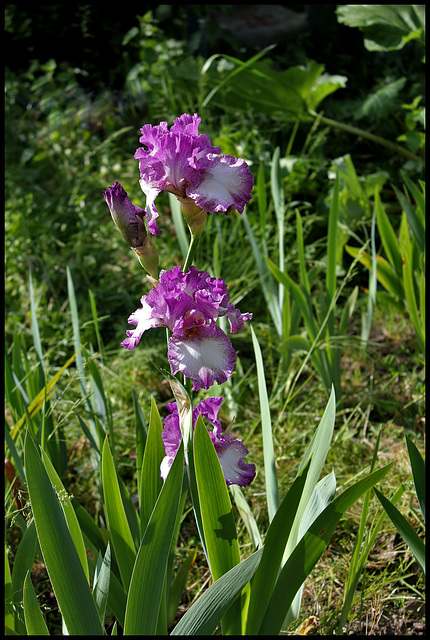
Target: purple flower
{"points": [[185, 163], [188, 304], [230, 451]]}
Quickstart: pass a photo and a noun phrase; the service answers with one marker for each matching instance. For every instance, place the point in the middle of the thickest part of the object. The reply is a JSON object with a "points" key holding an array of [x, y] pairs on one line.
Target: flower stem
{"points": [[191, 253], [366, 134]]}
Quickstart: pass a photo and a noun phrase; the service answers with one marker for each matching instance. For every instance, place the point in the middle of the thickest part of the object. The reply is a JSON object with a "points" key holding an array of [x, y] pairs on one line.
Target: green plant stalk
{"points": [[366, 134], [191, 253]]}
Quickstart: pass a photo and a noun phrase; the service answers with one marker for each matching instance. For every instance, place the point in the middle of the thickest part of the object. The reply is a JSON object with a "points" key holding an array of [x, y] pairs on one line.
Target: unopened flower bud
{"points": [[127, 217], [195, 217], [128, 220]]}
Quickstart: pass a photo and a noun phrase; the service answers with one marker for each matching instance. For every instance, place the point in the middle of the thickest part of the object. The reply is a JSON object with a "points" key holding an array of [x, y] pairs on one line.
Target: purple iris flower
{"points": [[188, 304], [230, 451], [185, 163]]}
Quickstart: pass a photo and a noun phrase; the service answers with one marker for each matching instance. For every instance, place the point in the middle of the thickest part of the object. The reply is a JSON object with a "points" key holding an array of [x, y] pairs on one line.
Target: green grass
{"points": [[61, 154]]}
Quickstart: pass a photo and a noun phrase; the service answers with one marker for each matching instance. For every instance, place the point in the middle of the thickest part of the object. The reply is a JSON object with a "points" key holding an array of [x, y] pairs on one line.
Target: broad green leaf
{"points": [[272, 491], [175, 586], [311, 502], [9, 618], [34, 620], [385, 273], [389, 240], [289, 93], [150, 480], [69, 512], [381, 102], [203, 617], [101, 583], [59, 553], [240, 66], [309, 550], [418, 193], [141, 435], [385, 27], [416, 224], [419, 474], [178, 585], [246, 515], [148, 579], [117, 598], [412, 539], [23, 561], [295, 343], [117, 523], [277, 535], [217, 516]]}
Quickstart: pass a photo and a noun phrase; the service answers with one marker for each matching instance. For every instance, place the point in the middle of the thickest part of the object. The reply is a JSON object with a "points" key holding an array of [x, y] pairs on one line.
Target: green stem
{"points": [[191, 253], [366, 134]]}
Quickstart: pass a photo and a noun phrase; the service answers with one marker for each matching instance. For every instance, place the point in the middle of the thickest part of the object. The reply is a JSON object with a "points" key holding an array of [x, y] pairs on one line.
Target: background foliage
{"points": [[79, 85]]}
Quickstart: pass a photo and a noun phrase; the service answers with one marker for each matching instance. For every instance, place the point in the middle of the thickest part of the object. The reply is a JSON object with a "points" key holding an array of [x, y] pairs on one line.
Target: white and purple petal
{"points": [[143, 320], [226, 182], [206, 356], [230, 453]]}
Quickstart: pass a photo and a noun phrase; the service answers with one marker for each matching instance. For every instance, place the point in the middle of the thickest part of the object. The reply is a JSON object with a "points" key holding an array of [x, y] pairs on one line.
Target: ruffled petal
{"points": [[205, 357], [151, 210], [235, 318], [230, 451], [143, 320], [226, 182], [230, 454]]}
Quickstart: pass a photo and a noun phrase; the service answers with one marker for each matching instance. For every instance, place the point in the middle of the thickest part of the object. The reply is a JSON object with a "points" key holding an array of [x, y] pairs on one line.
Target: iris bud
{"points": [[129, 220]]}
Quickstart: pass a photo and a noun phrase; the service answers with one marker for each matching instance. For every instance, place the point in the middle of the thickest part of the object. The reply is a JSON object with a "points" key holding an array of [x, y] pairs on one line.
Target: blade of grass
{"points": [[419, 474], [37, 403], [279, 204], [272, 491], [266, 281]]}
